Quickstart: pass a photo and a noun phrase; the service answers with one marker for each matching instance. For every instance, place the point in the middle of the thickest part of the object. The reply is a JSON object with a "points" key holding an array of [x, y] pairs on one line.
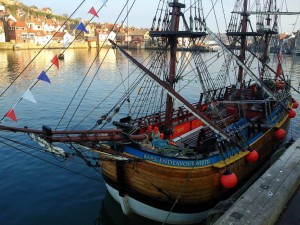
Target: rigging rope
{"points": [[44, 160], [98, 52], [181, 191]]}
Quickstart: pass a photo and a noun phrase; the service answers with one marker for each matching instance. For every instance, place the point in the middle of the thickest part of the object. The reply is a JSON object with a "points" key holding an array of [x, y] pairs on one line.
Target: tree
{"points": [[34, 7]]}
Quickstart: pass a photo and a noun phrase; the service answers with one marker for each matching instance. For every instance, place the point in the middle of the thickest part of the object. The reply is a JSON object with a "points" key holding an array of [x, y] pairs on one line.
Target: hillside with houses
{"points": [[28, 27]]}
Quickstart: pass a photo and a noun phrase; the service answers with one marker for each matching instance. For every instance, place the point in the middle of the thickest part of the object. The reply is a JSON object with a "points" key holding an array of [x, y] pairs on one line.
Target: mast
{"points": [[172, 33], [242, 55], [174, 27], [267, 37]]}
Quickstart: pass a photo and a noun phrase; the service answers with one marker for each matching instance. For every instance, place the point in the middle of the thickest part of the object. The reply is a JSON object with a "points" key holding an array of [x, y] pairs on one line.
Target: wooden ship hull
{"points": [[181, 190]]}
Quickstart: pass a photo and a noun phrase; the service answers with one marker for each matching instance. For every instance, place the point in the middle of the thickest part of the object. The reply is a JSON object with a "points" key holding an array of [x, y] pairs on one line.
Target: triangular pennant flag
{"points": [[29, 96], [11, 114], [278, 71], [93, 12], [55, 61], [43, 76], [12, 18], [82, 28]]}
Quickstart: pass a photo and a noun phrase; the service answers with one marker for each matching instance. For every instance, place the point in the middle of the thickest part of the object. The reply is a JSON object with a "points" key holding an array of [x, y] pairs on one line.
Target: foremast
{"points": [[242, 55]]}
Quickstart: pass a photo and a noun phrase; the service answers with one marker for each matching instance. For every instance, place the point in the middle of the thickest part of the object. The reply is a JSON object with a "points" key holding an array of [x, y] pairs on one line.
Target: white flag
{"points": [[29, 96], [12, 18]]}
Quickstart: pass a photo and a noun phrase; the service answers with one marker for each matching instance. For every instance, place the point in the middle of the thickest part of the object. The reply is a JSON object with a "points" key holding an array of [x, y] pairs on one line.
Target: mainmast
{"points": [[267, 37], [174, 27], [242, 55], [171, 33]]}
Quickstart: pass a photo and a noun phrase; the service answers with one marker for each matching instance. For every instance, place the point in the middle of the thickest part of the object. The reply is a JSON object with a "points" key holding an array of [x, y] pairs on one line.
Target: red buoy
{"points": [[292, 113], [229, 179], [280, 134], [295, 104], [252, 156]]}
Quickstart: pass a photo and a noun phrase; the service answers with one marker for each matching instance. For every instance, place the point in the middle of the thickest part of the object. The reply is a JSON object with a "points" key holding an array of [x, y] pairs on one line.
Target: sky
{"points": [[144, 10]]}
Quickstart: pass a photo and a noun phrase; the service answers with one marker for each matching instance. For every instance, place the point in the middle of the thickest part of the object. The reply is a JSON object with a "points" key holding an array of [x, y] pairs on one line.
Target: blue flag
{"points": [[43, 76], [82, 28]]}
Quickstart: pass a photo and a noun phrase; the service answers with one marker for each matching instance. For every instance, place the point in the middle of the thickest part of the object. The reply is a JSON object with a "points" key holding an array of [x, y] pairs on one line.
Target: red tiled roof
{"points": [[59, 34], [20, 24]]}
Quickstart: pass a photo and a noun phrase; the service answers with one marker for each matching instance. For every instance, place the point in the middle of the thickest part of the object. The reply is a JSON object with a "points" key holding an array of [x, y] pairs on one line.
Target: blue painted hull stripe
{"points": [[169, 161]]}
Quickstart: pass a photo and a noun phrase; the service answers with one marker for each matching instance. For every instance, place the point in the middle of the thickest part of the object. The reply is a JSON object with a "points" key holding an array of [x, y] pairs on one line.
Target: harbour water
{"points": [[40, 189]]}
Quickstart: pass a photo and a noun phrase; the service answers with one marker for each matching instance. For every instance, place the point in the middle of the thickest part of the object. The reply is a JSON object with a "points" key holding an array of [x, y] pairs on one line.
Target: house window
{"points": [[17, 28], [31, 36], [24, 36]]}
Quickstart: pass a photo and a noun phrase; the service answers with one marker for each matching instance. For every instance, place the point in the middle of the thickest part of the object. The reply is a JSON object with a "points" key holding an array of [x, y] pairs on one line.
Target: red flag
{"points": [[93, 12], [11, 114], [279, 68], [278, 71], [55, 61]]}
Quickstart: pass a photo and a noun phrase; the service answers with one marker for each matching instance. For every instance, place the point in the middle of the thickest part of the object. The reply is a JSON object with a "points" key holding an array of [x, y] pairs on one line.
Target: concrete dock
{"points": [[266, 199]]}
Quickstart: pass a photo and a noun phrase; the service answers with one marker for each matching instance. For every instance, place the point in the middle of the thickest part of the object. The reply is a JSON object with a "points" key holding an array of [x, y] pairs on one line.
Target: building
{"points": [[103, 36], [37, 37], [18, 32], [139, 36], [62, 37], [2, 32], [123, 38], [2, 9], [47, 10], [90, 35]]}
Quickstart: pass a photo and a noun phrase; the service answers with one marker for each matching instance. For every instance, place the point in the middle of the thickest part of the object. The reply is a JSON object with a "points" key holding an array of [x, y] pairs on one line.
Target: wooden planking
{"points": [[230, 160], [264, 200]]}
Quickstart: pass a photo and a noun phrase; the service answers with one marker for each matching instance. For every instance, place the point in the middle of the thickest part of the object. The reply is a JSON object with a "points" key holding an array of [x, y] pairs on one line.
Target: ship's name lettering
{"points": [[173, 162]]}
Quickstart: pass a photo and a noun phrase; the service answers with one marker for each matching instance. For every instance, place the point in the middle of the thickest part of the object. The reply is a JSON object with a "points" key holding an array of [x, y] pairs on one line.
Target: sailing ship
{"points": [[170, 159]]}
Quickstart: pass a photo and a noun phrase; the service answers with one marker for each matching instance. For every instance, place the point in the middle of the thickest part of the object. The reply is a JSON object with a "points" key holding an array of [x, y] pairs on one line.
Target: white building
{"points": [[2, 33], [104, 36]]}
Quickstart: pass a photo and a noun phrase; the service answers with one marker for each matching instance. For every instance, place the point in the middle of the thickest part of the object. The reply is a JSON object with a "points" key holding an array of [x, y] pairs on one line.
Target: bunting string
{"points": [[55, 61], [25, 68]]}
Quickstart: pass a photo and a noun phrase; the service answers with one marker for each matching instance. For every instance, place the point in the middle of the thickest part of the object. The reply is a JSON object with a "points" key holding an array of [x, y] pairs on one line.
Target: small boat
{"points": [[171, 158]]}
